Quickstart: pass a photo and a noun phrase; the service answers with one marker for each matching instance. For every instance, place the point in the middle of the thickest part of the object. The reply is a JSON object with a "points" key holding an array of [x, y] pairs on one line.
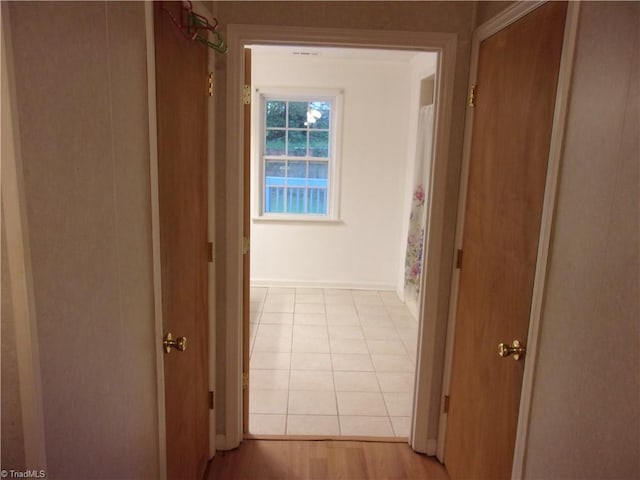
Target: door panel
{"points": [[181, 76], [515, 99]]}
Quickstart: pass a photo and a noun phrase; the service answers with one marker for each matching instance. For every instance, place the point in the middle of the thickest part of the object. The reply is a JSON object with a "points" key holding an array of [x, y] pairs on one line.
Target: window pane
{"points": [[297, 173], [318, 186], [274, 144], [275, 168], [321, 111], [274, 186], [319, 170], [296, 186], [317, 201], [319, 144], [296, 155], [276, 113], [295, 200], [297, 143], [297, 114]]}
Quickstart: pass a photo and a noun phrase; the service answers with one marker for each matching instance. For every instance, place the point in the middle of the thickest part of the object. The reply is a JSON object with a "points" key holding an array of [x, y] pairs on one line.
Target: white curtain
{"points": [[418, 217]]}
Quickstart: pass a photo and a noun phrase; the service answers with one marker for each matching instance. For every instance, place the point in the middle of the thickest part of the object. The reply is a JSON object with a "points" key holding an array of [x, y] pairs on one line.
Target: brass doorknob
{"points": [[169, 342], [516, 349]]}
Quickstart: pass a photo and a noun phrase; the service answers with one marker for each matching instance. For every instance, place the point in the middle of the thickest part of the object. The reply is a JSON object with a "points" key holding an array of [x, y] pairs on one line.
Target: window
{"points": [[298, 156]]}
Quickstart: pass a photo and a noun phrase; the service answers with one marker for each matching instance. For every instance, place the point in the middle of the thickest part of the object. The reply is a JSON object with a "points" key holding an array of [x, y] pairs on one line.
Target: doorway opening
{"points": [[341, 146]]}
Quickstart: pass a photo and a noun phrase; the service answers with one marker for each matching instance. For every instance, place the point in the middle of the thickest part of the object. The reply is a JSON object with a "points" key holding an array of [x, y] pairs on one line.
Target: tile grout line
{"points": [[375, 370], [413, 361], [333, 376], [286, 410]]}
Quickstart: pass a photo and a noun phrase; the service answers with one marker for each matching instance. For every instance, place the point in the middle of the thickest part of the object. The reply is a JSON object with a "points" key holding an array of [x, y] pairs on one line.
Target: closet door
{"points": [[514, 108], [181, 79]]}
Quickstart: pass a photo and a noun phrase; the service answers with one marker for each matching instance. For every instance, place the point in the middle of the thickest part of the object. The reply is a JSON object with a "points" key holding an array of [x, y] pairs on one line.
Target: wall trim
{"points": [[201, 8], [14, 216], [267, 282], [492, 26], [220, 442], [155, 237], [240, 35]]}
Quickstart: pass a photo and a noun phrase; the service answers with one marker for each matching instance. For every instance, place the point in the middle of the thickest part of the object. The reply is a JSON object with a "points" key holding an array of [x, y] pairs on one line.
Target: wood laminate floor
{"points": [[324, 460]]}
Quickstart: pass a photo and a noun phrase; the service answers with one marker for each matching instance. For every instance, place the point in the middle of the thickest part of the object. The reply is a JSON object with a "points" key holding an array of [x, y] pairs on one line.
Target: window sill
{"points": [[295, 219]]}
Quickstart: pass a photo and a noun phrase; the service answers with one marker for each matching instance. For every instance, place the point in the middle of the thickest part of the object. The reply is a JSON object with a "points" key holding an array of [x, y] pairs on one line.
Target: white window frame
{"points": [[335, 96]]}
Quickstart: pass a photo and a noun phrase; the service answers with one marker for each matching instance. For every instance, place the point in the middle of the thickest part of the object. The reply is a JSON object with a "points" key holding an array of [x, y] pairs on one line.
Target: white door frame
{"points": [[238, 37], [499, 22], [201, 9]]}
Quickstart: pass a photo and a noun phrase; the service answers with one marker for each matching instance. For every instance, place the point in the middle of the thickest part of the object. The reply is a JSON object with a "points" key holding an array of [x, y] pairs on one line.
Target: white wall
{"points": [[81, 96], [585, 415], [362, 250], [421, 66]]}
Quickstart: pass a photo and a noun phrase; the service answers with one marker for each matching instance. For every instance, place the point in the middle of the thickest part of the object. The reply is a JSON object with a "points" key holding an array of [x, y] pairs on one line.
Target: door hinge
{"points": [[212, 400], [245, 380], [245, 245], [210, 84], [246, 94], [472, 96], [445, 404], [210, 252], [459, 259]]}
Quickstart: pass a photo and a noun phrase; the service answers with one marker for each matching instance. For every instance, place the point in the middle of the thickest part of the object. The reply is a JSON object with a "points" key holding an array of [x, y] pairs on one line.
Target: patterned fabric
{"points": [[415, 242], [417, 220]]}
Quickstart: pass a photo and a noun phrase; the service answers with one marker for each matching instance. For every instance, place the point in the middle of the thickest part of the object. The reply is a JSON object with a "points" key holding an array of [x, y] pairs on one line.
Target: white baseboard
{"points": [[432, 447], [412, 306], [221, 442], [267, 282]]}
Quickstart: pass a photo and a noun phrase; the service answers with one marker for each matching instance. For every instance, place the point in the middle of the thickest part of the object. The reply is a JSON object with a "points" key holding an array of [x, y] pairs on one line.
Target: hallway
{"points": [[287, 460], [330, 362]]}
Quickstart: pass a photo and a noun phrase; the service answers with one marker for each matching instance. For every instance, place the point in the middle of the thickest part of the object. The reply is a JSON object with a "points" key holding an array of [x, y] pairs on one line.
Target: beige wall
{"points": [[486, 10], [585, 417], [448, 17], [81, 87]]}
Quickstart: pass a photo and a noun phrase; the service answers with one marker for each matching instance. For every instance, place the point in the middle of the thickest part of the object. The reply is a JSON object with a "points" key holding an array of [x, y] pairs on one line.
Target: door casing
{"points": [[17, 244], [431, 326], [501, 21]]}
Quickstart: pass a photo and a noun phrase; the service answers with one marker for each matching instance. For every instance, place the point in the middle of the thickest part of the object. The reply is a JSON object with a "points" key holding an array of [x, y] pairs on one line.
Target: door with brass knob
{"points": [[169, 342], [517, 72], [516, 349], [181, 71]]}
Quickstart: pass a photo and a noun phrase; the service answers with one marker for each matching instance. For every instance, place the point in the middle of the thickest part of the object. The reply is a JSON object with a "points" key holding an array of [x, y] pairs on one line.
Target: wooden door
{"points": [[181, 80], [246, 227], [514, 107]]}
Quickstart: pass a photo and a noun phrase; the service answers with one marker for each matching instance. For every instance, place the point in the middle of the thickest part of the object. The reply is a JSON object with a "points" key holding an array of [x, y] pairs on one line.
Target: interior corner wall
{"points": [[81, 96], [486, 10], [361, 250], [421, 66], [585, 420]]}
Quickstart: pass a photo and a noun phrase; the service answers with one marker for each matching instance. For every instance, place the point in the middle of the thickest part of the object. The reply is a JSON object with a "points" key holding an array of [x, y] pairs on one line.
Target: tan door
{"points": [[246, 226], [515, 98], [181, 79]]}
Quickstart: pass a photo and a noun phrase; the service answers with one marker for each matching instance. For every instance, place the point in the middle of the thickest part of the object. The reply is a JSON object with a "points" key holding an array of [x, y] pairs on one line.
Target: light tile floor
{"points": [[330, 362]]}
